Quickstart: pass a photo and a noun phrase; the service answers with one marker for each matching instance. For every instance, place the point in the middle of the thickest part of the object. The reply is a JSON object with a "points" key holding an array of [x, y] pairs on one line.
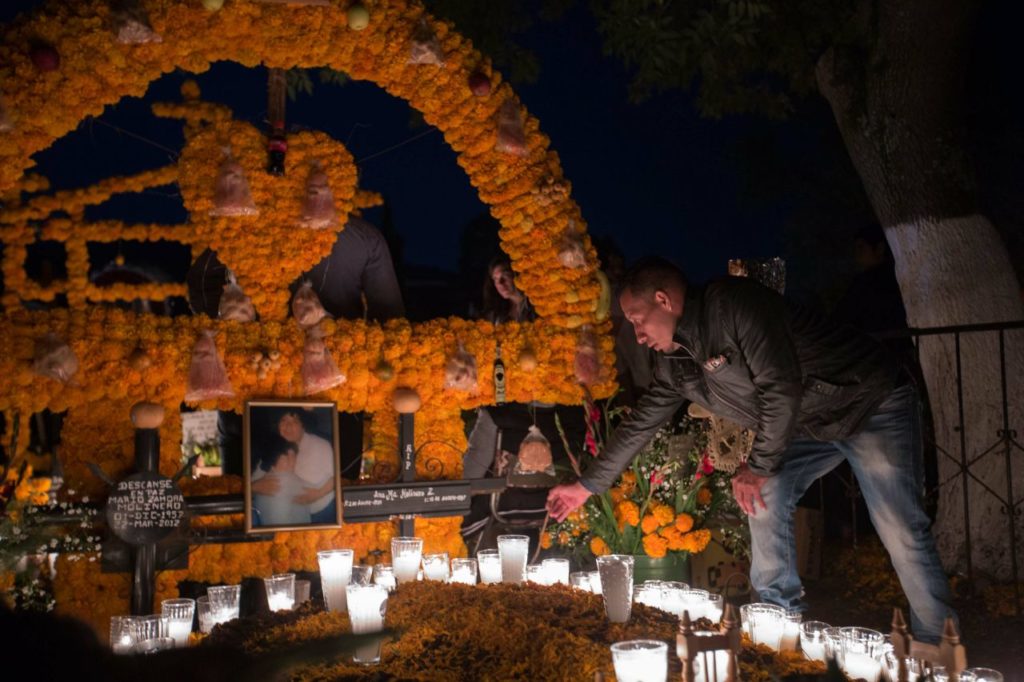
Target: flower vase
{"points": [[672, 566]]}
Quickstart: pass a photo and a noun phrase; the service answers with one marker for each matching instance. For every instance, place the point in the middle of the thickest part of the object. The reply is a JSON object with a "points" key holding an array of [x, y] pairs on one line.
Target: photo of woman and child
{"points": [[291, 465]]}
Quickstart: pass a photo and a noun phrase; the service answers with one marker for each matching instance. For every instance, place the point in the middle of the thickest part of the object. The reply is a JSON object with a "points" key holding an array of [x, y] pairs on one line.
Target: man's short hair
{"points": [[652, 274]]}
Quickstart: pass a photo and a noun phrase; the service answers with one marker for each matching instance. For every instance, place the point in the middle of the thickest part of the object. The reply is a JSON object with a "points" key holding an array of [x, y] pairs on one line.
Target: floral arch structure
{"points": [[125, 357]]}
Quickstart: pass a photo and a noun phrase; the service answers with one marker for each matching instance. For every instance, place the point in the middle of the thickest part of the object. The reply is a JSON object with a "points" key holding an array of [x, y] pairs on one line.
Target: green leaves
{"points": [[300, 82]]}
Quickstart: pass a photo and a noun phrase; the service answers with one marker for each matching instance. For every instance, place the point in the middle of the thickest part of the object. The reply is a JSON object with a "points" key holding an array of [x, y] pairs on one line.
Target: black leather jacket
{"points": [[747, 354]]}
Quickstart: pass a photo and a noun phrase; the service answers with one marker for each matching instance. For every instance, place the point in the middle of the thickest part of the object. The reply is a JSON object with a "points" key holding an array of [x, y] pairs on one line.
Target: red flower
{"points": [[590, 444], [657, 477], [706, 467]]}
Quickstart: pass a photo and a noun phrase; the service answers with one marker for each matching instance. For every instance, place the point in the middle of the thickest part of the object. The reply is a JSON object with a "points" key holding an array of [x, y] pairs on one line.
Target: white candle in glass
{"points": [[280, 602], [224, 602], [535, 574], [121, 639], [179, 631], [790, 632], [436, 567], [641, 660], [406, 556], [490, 568], [384, 575], [556, 571], [595, 582], [694, 602], [814, 650], [616, 571], [335, 575], [463, 571], [713, 607], [366, 607], [862, 666], [514, 551]]}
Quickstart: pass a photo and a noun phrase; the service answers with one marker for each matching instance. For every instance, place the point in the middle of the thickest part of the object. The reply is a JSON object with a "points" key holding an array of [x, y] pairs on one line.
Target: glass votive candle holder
{"points": [[713, 607], [557, 570], [791, 631], [384, 576], [150, 627], [280, 590], [616, 571], [766, 623], [301, 591], [122, 634], [580, 580], [833, 648], [362, 575], [204, 615], [672, 596], [595, 582], [436, 567], [463, 571], [649, 594], [640, 660], [981, 675], [812, 640], [366, 607], [155, 644], [695, 602], [335, 575], [861, 652], [488, 561], [406, 555], [514, 551], [915, 667], [536, 575], [224, 601], [180, 614]]}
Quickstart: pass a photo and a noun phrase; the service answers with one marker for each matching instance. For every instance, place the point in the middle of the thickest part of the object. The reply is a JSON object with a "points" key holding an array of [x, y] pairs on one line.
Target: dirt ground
{"points": [[859, 587]]}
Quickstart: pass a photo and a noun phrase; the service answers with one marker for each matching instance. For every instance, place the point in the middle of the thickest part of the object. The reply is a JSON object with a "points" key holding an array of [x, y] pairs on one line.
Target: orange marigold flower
{"points": [[684, 522], [599, 547], [545, 540], [563, 538], [676, 540], [627, 513], [704, 497], [650, 524], [617, 494], [697, 541], [655, 546], [663, 513]]}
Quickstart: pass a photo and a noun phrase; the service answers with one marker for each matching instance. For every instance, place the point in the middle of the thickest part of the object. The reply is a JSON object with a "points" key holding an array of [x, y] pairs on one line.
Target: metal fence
{"points": [[965, 457]]}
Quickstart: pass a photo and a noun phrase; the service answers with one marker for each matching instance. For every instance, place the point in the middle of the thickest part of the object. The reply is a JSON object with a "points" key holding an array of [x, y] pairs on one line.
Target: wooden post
{"points": [[949, 652], [407, 453]]}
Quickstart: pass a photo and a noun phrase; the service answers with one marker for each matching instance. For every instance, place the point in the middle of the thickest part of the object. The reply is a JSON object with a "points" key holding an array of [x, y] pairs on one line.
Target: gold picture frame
{"points": [[286, 482]]}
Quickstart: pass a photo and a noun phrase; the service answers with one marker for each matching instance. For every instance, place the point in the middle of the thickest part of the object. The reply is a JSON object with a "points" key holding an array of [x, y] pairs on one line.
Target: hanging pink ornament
{"points": [[318, 211], [231, 196]]}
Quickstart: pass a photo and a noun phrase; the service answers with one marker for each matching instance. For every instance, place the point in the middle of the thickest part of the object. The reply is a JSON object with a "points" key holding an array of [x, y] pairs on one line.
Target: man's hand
{"points": [[311, 495], [565, 499], [746, 488]]}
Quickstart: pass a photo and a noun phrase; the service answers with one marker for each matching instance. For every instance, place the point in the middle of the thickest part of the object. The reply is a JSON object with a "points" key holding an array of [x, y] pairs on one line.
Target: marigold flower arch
{"points": [[527, 194]]}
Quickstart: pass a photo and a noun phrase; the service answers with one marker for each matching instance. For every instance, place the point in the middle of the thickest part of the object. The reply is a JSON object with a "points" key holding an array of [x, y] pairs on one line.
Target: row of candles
{"points": [[362, 592]]}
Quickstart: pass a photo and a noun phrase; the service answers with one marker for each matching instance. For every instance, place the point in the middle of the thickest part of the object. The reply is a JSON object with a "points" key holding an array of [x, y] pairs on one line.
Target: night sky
{"points": [[654, 176]]}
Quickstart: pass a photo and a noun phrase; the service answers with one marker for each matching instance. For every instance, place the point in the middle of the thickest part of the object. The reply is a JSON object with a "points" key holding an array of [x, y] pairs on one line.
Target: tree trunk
{"points": [[897, 93]]}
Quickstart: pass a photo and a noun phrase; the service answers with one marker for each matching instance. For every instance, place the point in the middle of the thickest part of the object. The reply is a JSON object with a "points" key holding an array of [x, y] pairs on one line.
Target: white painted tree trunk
{"points": [[956, 271]]}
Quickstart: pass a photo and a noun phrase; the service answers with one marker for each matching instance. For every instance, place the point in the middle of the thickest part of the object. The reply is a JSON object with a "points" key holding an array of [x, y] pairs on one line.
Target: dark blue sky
{"points": [[655, 176]]}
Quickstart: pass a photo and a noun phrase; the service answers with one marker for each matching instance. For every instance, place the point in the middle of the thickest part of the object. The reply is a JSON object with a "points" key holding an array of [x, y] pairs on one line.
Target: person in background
{"points": [[815, 393], [504, 302], [355, 281]]}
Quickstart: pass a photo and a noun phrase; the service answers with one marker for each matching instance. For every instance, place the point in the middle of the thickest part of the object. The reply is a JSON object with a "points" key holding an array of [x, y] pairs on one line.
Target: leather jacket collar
{"points": [[688, 328]]}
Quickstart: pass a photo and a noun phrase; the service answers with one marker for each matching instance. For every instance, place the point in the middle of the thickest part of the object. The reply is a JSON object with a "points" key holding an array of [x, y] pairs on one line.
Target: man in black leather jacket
{"points": [[814, 393]]}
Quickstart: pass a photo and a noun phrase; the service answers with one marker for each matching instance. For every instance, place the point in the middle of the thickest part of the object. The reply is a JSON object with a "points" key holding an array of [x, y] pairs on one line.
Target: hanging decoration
{"points": [[306, 306], [130, 23], [231, 196], [207, 378], [234, 304], [54, 359], [319, 372], [511, 136], [460, 371], [318, 211], [426, 48]]}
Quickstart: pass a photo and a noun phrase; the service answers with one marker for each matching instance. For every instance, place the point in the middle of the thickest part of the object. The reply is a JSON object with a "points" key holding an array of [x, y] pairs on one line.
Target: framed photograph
{"points": [[291, 476]]}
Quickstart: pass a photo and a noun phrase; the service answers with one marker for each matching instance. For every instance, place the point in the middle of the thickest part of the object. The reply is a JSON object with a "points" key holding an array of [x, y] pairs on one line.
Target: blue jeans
{"points": [[886, 457]]}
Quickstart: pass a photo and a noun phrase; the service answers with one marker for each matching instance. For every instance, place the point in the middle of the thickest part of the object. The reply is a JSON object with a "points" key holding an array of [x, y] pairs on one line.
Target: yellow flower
{"points": [[655, 546], [599, 547]]}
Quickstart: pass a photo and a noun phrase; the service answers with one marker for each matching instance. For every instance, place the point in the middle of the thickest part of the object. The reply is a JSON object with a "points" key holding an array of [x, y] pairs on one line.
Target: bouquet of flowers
{"points": [[33, 526], [668, 500]]}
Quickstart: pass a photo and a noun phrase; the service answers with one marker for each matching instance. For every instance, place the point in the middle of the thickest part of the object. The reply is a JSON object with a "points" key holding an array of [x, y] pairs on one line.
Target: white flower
{"points": [[85, 500]]}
